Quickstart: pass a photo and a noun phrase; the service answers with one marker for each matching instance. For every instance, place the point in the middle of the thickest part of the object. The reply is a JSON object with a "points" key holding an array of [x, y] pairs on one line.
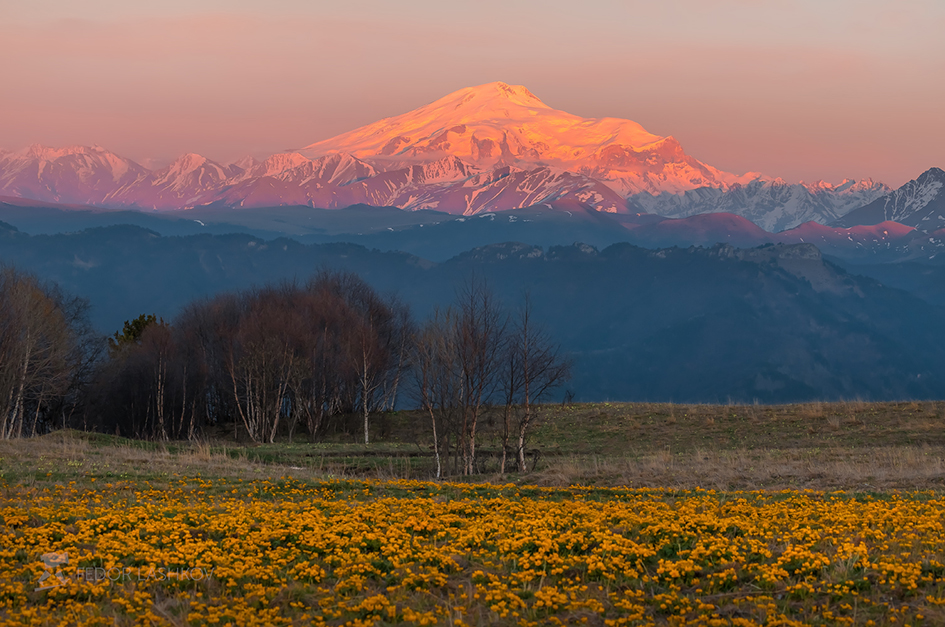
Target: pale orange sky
{"points": [[802, 90]]}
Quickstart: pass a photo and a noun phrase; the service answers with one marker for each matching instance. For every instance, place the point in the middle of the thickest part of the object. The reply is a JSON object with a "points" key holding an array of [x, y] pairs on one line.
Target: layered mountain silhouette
{"points": [[438, 236], [776, 323]]}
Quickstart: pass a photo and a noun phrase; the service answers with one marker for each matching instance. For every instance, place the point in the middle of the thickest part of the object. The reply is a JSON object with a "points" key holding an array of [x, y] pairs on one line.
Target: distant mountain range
{"points": [[495, 147], [487, 149], [439, 236], [777, 323]]}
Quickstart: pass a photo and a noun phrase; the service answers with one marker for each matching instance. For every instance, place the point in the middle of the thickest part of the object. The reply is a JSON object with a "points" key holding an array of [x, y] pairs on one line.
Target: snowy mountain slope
{"points": [[181, 184], [509, 187], [498, 124], [337, 169], [241, 165], [447, 184], [76, 174], [773, 205], [919, 203]]}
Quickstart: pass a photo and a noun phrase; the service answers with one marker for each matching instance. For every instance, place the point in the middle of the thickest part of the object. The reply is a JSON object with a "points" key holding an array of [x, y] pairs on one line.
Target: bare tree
{"points": [[479, 328], [38, 353], [511, 383], [158, 344], [437, 379], [402, 331], [540, 368], [466, 358], [375, 341], [318, 392], [262, 360]]}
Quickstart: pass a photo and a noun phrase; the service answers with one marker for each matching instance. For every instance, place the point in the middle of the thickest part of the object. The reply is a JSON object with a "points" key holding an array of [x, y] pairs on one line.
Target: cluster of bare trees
{"points": [[474, 357], [278, 359], [45, 352]]}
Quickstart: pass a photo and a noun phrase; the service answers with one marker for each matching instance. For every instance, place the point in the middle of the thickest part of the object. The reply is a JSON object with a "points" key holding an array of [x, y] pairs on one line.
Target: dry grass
{"points": [[852, 445], [862, 470], [827, 446], [607, 428], [71, 455]]}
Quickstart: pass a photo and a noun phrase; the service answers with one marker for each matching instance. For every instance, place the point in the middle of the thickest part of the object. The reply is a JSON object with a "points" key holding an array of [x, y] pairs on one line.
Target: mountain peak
{"points": [[186, 164], [189, 161], [498, 125], [41, 151], [187, 173], [517, 94], [243, 163], [936, 174]]}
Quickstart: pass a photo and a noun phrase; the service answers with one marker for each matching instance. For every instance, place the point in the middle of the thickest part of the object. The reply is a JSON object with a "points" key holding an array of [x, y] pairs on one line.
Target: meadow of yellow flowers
{"points": [[219, 552]]}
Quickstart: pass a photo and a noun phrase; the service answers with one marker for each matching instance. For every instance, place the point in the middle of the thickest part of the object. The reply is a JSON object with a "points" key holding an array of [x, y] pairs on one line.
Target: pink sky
{"points": [[801, 90]]}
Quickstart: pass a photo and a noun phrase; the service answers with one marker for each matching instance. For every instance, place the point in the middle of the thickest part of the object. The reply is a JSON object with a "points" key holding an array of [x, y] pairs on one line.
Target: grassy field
{"points": [[852, 446], [634, 515]]}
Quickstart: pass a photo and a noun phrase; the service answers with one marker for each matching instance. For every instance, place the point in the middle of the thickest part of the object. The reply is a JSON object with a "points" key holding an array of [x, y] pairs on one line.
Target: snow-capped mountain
{"points": [[338, 169], [181, 184], [496, 124], [489, 148], [919, 203], [773, 205], [76, 174]]}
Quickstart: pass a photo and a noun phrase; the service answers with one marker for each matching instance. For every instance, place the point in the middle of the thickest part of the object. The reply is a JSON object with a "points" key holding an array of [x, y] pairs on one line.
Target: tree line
{"points": [[289, 360]]}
